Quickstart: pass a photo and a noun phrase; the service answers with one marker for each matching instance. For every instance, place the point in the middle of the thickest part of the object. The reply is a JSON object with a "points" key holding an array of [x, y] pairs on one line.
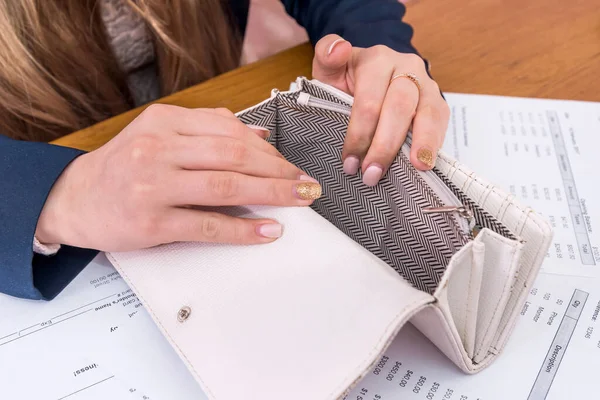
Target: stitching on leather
{"points": [[511, 326], [162, 327], [521, 222], [442, 158], [524, 223], [521, 288], [509, 200], [505, 200], [451, 172], [543, 228], [485, 194], [451, 339], [468, 181], [514, 254], [469, 296], [381, 339]]}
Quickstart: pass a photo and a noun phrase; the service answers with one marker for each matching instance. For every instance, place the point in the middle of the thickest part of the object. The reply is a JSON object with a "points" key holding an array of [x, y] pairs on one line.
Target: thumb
{"points": [[332, 54]]}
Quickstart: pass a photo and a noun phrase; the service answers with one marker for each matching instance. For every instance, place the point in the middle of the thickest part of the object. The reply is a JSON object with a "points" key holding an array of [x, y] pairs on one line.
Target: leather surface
{"points": [[471, 301], [534, 234], [463, 292], [307, 316], [501, 264], [301, 318], [438, 327]]}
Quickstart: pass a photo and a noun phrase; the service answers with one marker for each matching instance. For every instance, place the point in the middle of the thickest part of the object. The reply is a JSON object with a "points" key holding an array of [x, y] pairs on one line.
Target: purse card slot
{"points": [[463, 291], [515, 221], [475, 292], [502, 258], [389, 219], [435, 323]]}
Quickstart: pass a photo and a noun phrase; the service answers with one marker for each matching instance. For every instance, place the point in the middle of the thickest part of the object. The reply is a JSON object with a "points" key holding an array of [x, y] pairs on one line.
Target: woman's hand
{"points": [[145, 186], [384, 108]]}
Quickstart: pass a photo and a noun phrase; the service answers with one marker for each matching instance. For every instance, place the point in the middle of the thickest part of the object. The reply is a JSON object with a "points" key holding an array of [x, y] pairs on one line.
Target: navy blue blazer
{"points": [[28, 170]]}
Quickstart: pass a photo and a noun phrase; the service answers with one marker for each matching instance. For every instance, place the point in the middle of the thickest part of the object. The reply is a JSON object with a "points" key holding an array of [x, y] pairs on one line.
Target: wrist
{"points": [[54, 223]]}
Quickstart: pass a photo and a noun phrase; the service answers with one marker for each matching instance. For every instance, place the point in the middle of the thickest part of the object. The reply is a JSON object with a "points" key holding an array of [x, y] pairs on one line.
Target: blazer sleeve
{"points": [[28, 171], [364, 23]]}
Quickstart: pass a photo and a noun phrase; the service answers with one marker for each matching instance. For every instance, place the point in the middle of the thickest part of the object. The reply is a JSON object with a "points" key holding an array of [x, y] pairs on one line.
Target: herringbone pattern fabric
{"points": [[387, 220]]}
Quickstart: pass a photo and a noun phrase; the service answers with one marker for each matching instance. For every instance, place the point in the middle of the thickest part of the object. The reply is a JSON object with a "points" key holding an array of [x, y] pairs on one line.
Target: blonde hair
{"points": [[58, 73]]}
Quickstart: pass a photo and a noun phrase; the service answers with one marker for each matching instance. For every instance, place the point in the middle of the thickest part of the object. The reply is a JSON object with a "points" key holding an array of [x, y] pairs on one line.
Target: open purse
{"points": [[306, 317]]}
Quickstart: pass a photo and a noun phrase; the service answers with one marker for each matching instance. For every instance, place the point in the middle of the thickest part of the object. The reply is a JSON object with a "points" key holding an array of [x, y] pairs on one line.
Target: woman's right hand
{"points": [[152, 183]]}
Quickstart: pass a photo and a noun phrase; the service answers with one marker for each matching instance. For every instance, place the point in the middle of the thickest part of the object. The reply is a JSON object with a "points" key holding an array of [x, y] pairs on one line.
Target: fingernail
{"points": [[307, 178], [334, 44], [351, 164], [425, 155], [260, 128], [372, 175], [271, 231], [308, 191], [264, 131]]}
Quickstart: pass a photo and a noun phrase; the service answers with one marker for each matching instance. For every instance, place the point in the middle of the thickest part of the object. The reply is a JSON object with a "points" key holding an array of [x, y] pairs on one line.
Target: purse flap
{"points": [[304, 317]]}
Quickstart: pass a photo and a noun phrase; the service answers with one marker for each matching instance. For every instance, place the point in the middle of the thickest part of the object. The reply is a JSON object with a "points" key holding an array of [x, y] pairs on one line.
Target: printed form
{"points": [[95, 341], [545, 152]]}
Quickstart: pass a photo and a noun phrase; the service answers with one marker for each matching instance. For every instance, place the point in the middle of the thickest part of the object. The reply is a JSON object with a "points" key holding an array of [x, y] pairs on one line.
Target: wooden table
{"points": [[538, 48]]}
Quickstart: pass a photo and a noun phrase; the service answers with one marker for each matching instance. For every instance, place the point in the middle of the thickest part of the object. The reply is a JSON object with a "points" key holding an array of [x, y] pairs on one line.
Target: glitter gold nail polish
{"points": [[425, 156], [308, 191]]}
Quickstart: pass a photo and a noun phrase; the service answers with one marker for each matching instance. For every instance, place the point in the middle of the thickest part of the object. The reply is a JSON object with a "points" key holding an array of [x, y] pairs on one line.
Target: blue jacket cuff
{"points": [[29, 170]]}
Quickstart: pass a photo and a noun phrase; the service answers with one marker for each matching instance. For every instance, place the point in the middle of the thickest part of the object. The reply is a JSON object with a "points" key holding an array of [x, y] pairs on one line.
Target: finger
{"points": [[221, 124], [224, 188], [332, 54], [372, 82], [261, 131], [234, 128], [429, 127], [218, 153], [222, 111], [186, 225], [397, 114], [200, 122]]}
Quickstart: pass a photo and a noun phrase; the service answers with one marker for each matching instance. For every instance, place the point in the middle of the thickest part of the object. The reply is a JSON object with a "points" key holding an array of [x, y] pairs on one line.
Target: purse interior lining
{"points": [[482, 218], [387, 220]]}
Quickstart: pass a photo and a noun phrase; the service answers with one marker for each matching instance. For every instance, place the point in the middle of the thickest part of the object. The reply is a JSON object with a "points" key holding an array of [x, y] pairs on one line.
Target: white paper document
{"points": [[96, 341], [545, 152], [555, 344]]}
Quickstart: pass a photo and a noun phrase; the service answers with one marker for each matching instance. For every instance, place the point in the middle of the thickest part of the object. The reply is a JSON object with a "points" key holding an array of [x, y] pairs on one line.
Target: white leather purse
{"points": [[309, 315]]}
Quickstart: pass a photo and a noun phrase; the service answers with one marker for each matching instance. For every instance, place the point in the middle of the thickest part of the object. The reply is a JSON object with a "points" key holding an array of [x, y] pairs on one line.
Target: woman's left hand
{"points": [[386, 105]]}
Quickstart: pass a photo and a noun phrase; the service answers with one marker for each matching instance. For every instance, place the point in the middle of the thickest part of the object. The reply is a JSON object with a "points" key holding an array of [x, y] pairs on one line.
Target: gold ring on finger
{"points": [[410, 76]]}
